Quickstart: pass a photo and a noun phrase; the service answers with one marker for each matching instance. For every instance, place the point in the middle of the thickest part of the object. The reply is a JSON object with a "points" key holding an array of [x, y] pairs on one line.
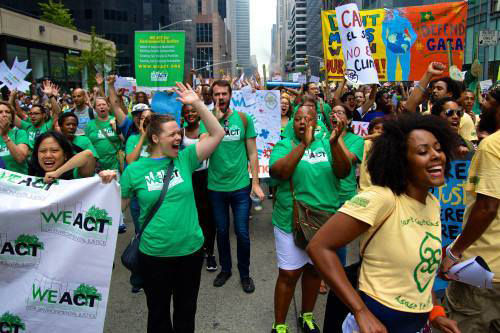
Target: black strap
{"points": [[91, 113], [166, 182]]}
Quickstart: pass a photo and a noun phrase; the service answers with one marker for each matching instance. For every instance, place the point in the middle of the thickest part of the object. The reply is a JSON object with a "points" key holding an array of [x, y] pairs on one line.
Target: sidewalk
{"points": [[225, 309]]}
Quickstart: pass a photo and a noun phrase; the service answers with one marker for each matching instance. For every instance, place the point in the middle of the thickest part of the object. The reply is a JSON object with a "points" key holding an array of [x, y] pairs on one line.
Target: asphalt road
{"points": [[225, 309]]}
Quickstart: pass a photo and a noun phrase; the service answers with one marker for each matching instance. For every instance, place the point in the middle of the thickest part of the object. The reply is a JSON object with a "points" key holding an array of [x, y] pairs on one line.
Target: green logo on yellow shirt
{"points": [[360, 201], [430, 258], [474, 180]]}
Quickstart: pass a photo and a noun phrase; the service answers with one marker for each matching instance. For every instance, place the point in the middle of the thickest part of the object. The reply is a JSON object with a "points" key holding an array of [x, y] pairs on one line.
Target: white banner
{"points": [[57, 244], [360, 67], [264, 108]]}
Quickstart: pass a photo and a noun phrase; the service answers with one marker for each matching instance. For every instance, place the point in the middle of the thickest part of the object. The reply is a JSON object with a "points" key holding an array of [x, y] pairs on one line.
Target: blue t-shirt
{"points": [[124, 128]]}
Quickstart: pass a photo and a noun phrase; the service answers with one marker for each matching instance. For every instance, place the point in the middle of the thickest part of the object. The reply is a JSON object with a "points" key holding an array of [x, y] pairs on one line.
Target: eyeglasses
{"points": [[451, 112]]}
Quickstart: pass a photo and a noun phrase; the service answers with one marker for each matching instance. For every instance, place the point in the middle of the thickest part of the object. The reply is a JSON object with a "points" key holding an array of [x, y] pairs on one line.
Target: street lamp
{"points": [[181, 21]]}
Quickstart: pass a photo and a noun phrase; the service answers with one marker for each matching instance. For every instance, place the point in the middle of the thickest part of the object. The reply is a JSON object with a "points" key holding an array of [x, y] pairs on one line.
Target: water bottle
{"points": [[257, 204]]}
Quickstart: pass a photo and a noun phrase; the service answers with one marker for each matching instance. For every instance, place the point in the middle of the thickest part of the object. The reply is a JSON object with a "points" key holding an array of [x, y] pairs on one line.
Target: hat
{"points": [[140, 107]]}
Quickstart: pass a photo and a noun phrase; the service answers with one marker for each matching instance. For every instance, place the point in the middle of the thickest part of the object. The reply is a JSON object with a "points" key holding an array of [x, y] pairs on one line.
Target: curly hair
{"points": [[391, 148], [438, 105]]}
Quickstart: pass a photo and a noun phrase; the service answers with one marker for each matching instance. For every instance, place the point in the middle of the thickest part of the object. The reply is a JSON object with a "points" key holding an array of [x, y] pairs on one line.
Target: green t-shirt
{"points": [[322, 116], [228, 168], [85, 144], [34, 132], [106, 146], [17, 136], [174, 230], [313, 180], [320, 132], [132, 142], [348, 185]]}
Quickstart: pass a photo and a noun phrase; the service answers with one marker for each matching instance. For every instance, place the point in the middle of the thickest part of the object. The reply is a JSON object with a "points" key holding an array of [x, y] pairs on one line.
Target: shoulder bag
{"points": [[306, 220], [130, 256]]}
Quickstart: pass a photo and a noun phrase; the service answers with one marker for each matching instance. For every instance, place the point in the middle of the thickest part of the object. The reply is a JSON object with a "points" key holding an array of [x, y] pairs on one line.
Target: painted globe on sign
{"points": [[398, 43]]}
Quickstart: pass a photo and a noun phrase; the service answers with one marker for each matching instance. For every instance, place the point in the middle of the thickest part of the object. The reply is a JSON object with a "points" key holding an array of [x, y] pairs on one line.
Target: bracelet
{"points": [[422, 89], [437, 311], [450, 255]]}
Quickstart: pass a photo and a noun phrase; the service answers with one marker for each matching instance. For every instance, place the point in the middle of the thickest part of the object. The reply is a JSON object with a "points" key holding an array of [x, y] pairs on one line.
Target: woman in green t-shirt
{"points": [[53, 158], [170, 248], [13, 142], [314, 166]]}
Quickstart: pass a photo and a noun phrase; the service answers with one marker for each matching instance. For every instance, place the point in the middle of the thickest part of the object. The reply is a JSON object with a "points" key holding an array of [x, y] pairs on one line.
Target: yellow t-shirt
{"points": [[467, 129], [401, 261], [484, 178], [365, 180]]}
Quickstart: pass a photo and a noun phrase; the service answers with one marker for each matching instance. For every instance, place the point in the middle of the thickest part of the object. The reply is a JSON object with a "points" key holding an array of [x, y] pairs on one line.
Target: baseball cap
{"points": [[140, 107]]}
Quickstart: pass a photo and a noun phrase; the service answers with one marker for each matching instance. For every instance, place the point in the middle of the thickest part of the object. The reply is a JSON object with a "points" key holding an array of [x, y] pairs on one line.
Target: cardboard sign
{"points": [[360, 67]]}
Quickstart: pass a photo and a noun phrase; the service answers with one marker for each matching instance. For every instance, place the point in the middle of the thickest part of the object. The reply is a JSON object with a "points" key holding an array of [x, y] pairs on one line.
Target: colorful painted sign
{"points": [[403, 41]]}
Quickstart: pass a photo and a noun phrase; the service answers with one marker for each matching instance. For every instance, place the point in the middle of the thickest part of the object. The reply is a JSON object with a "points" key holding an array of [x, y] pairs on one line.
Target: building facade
{"points": [[213, 49], [45, 45], [238, 14]]}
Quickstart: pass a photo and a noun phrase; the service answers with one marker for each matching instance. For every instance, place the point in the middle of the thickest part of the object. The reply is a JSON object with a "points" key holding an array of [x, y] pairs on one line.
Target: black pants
{"points": [[164, 278], [336, 311], [204, 207]]}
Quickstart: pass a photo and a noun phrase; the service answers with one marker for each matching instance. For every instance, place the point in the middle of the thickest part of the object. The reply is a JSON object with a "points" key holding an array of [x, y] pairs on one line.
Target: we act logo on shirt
{"points": [[233, 133], [25, 250], [90, 227], [109, 132], [314, 157], [64, 298], [154, 181], [11, 323]]}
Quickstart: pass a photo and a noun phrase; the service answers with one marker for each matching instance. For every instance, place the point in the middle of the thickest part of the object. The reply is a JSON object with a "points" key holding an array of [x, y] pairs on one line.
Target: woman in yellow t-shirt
{"points": [[399, 221]]}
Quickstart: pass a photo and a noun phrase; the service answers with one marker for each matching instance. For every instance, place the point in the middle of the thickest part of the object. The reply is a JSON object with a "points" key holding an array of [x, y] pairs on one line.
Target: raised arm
{"points": [[52, 92], [339, 231], [370, 101], [339, 91], [215, 132], [417, 95], [99, 79], [341, 162], [119, 113]]}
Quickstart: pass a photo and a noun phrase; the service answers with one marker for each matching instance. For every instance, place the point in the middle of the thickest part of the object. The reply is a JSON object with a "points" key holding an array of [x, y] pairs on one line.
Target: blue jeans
{"points": [[239, 201]]}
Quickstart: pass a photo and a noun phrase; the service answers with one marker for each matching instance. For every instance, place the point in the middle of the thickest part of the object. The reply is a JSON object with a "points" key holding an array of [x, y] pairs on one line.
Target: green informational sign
{"points": [[159, 58]]}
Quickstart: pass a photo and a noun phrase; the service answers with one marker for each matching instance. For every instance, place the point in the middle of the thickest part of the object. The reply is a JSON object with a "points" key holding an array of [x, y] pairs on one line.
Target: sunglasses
{"points": [[451, 112]]}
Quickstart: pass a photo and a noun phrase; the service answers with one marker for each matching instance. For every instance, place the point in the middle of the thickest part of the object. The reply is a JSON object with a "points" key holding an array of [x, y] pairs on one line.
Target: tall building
{"points": [[284, 29], [274, 65], [213, 47], [238, 13], [298, 37], [314, 44]]}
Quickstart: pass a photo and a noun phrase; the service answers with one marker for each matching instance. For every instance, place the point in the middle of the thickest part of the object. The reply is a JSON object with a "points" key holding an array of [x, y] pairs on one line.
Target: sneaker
{"points": [[307, 323], [281, 328], [211, 263], [122, 228], [247, 285], [221, 279], [136, 289]]}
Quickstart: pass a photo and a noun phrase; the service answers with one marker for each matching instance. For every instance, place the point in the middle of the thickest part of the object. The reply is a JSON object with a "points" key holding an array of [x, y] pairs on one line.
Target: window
{"points": [[204, 58], [115, 15], [57, 65], [87, 14], [200, 7], [204, 32], [39, 63], [14, 51]]}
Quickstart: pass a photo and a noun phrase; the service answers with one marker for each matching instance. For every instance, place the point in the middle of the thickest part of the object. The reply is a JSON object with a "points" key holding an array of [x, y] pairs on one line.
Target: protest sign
{"points": [[485, 85], [159, 58], [360, 127], [488, 37], [403, 41], [359, 64], [166, 103], [57, 244], [452, 199], [266, 115], [13, 77]]}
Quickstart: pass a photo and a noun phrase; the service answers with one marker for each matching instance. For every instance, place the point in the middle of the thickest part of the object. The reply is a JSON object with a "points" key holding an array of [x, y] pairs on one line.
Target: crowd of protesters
{"points": [[336, 195]]}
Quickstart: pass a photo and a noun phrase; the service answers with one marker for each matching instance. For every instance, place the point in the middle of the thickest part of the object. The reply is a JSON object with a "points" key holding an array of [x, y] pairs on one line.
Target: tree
{"points": [[87, 290], [29, 240], [12, 320], [98, 57], [57, 13]]}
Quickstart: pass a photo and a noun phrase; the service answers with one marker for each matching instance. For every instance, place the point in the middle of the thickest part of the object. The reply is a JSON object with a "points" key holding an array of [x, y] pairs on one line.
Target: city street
{"points": [[225, 309]]}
